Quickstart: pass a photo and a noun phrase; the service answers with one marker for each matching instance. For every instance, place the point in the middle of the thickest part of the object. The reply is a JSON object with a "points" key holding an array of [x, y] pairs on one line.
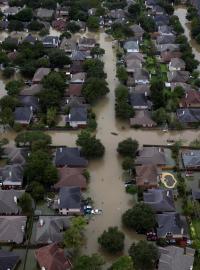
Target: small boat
{"points": [[114, 133], [96, 211]]}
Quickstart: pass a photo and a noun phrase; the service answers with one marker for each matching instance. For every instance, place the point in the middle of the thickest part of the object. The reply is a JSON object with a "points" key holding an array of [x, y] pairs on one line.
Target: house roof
{"points": [[78, 114], [176, 258], [11, 10], [30, 101], [76, 67], [177, 63], [78, 77], [142, 88], [23, 114], [32, 90], [147, 174], [78, 55], [142, 118], [188, 115], [166, 56], [16, 155], [50, 41], [131, 45], [160, 200], [139, 99], [132, 64], [86, 42], [8, 205], [192, 98], [141, 74], [51, 229], [12, 228], [30, 38], [151, 155], [70, 198], [74, 101], [167, 48], [161, 19], [196, 194], [71, 177], [178, 76], [40, 74], [165, 29], [137, 29], [52, 257], [8, 260], [69, 156], [191, 158], [171, 222], [117, 13], [45, 13], [185, 86], [166, 39], [134, 56], [75, 89], [68, 44], [11, 174]]}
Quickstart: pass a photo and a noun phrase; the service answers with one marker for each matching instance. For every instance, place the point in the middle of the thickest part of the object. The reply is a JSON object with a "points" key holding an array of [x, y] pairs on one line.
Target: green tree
{"points": [[3, 58], [54, 81], [123, 109], [35, 26], [112, 240], [24, 15], [15, 25], [128, 147], [51, 116], [8, 72], [97, 51], [94, 68], [93, 262], [160, 116], [73, 27], [157, 93], [91, 147], [144, 255], [58, 58], [36, 190], [29, 137], [128, 164], [140, 218], [122, 74], [123, 263], [93, 23], [73, 237], [6, 116], [26, 203], [8, 102], [94, 89], [13, 87]]}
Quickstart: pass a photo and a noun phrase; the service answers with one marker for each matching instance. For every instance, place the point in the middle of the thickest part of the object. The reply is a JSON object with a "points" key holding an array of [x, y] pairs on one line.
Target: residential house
{"points": [[52, 257], [167, 56], [86, 43], [4, 25], [69, 177], [166, 39], [142, 88], [132, 65], [45, 14], [190, 100], [171, 225], [165, 30], [30, 101], [131, 46], [50, 229], [12, 229], [62, 12], [76, 67], [32, 90], [176, 64], [11, 176], [176, 258], [68, 45], [16, 155], [191, 159], [40, 74], [141, 76], [151, 155], [186, 87], [11, 11], [139, 101], [78, 78], [150, 3], [8, 201], [142, 118], [161, 20], [188, 116], [13, 41], [75, 89], [196, 3], [138, 31], [178, 76], [69, 156], [51, 41], [23, 115], [117, 14], [134, 56], [147, 176], [157, 10], [74, 101], [8, 260], [78, 117], [79, 56], [59, 24], [161, 48], [68, 201], [160, 200], [30, 39]]}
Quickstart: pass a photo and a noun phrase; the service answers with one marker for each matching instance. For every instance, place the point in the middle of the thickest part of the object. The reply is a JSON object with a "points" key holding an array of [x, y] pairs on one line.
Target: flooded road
{"points": [[181, 13]]}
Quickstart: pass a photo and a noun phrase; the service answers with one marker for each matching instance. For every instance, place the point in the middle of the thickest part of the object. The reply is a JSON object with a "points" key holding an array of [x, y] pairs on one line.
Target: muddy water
{"points": [[106, 186], [181, 13]]}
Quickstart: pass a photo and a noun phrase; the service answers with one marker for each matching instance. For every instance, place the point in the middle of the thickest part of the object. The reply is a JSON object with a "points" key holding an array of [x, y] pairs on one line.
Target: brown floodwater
{"points": [[181, 12]]}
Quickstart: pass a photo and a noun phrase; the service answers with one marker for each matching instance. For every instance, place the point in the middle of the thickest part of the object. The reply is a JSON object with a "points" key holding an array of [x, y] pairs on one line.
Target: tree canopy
{"points": [[26, 203], [29, 137], [93, 262], [123, 263], [128, 147]]}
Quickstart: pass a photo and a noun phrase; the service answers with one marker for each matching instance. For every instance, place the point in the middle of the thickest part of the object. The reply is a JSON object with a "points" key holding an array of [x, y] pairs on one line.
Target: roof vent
{"points": [[58, 201], [168, 193], [15, 199], [61, 149], [41, 221], [10, 173], [22, 228]]}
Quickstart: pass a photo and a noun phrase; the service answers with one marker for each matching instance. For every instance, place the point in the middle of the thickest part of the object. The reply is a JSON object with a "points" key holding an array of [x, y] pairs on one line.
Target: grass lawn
{"points": [[163, 68], [195, 229]]}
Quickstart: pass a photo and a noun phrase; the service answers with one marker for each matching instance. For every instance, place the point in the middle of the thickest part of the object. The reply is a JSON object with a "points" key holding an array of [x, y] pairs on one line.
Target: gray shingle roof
{"points": [[160, 200], [70, 198], [78, 114], [8, 260], [131, 45], [151, 155], [8, 205], [45, 13], [178, 76], [23, 114], [11, 174], [139, 99], [12, 228], [191, 158], [69, 156], [188, 115]]}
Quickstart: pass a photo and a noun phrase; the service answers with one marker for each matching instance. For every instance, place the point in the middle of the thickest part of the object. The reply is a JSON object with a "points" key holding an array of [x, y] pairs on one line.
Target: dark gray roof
{"points": [[78, 114], [139, 99], [171, 222], [131, 45], [51, 229], [12, 228], [31, 39], [69, 156], [78, 56], [160, 200], [50, 41], [161, 19], [23, 114], [141, 74], [31, 90], [8, 201], [176, 258], [11, 174], [30, 101], [165, 39], [191, 158], [188, 115], [178, 76], [16, 155], [151, 155], [165, 29], [196, 194], [70, 198], [8, 260], [45, 13]]}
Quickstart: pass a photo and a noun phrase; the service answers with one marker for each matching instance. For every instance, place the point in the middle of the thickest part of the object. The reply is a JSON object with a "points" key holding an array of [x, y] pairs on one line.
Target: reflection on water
{"points": [[181, 13]]}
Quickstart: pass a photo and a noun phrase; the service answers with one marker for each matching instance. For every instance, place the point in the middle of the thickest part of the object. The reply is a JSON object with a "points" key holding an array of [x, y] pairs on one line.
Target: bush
{"points": [[128, 148], [8, 72], [131, 189]]}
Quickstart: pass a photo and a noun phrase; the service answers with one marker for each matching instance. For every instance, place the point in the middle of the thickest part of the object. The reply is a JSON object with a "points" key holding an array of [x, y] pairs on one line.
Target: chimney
{"points": [[31, 108], [15, 199], [10, 173], [183, 112], [41, 221], [69, 116], [145, 93], [61, 149], [167, 193], [58, 201]]}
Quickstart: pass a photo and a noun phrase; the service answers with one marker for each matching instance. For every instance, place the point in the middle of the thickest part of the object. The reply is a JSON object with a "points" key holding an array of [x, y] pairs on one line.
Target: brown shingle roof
{"points": [[71, 177], [75, 89], [192, 98], [147, 174], [52, 257]]}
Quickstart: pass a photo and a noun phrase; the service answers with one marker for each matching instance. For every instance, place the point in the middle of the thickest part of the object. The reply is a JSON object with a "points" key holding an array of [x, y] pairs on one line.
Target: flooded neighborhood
{"points": [[99, 135]]}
